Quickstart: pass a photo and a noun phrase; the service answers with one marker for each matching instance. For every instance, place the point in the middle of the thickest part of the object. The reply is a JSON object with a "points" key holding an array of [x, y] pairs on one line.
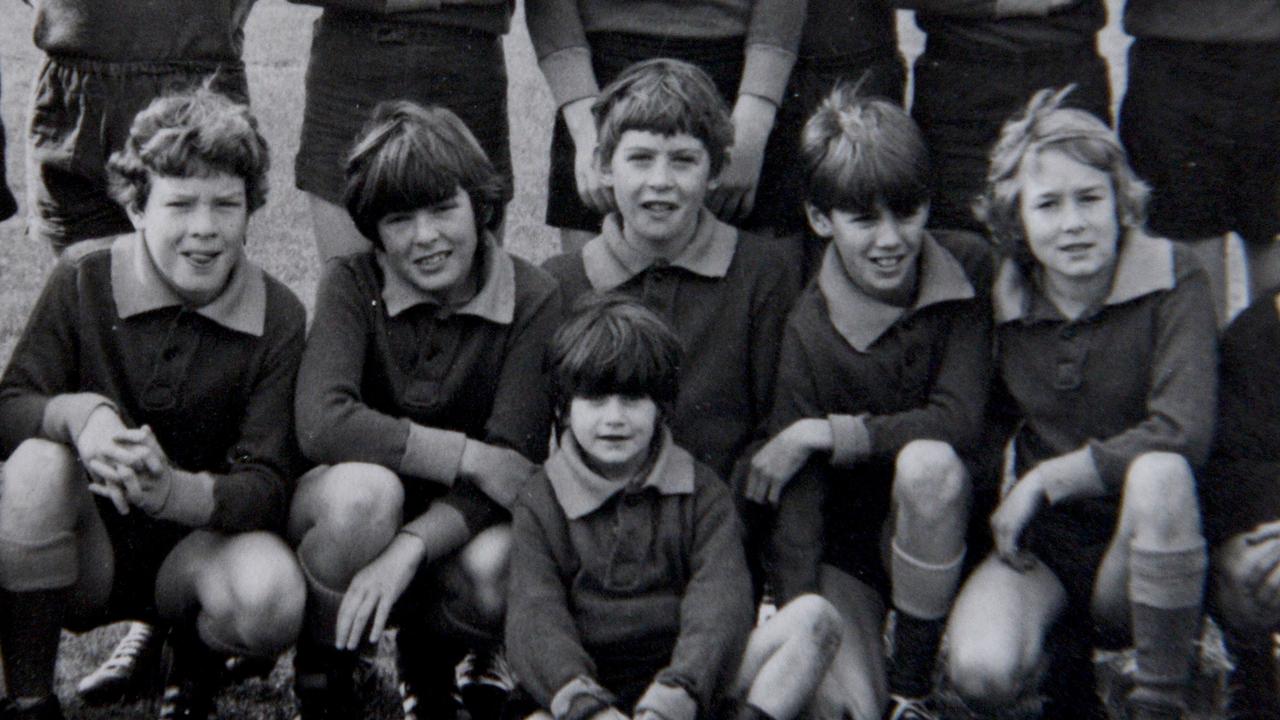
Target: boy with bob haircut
{"points": [[422, 392], [158, 374], [882, 386], [633, 596], [664, 134]]}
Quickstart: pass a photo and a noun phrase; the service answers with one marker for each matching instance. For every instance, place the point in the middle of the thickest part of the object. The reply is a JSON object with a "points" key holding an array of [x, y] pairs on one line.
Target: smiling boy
{"points": [[664, 135], [157, 374], [882, 386]]}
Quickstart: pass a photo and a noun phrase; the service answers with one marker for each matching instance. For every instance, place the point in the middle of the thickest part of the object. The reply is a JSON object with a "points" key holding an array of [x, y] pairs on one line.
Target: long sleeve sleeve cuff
{"points": [[579, 699], [1072, 475], [569, 75], [765, 72], [66, 415], [433, 454], [850, 440], [671, 702], [190, 501]]}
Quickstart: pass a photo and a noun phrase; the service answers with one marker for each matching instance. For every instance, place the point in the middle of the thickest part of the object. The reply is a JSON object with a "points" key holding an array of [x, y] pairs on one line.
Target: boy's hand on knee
{"points": [[1260, 568], [773, 467], [733, 194], [499, 472], [1012, 516], [374, 591]]}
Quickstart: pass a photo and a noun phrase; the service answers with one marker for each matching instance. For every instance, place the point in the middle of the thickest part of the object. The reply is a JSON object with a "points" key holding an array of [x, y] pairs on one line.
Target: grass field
{"points": [[277, 44]]}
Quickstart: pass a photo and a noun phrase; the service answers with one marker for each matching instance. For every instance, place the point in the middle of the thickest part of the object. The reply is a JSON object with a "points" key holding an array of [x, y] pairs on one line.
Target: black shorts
{"points": [[1201, 123], [964, 95], [81, 114], [359, 61], [1071, 539], [611, 53], [139, 546]]}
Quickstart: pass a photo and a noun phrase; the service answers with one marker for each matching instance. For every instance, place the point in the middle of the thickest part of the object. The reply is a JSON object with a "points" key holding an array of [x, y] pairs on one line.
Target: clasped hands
{"points": [[125, 465]]}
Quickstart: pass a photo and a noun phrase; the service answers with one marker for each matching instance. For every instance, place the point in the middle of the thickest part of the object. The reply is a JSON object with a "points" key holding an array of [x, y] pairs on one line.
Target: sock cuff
{"points": [[947, 566], [1168, 578], [322, 607], [49, 563], [923, 589]]}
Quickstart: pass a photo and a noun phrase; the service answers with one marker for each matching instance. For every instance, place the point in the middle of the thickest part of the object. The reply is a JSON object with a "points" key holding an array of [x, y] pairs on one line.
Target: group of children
{"points": [[600, 467]]}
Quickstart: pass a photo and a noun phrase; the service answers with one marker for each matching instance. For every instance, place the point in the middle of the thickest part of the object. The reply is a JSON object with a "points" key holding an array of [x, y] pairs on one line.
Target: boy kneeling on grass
{"points": [[157, 374], [881, 390], [630, 590]]}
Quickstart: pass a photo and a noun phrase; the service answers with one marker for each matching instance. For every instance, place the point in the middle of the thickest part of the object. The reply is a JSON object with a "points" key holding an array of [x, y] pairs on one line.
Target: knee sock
{"points": [[922, 594], [1165, 592], [36, 577], [30, 627], [323, 602]]}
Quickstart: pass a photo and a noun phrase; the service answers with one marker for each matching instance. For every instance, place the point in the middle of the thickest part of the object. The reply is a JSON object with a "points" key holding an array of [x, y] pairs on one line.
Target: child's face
{"points": [[614, 432], [1069, 215], [659, 183], [879, 249], [194, 229], [432, 248]]}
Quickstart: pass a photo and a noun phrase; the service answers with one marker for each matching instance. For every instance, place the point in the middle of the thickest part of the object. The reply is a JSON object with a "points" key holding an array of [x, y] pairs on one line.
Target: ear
{"points": [[819, 221], [136, 214], [603, 167]]}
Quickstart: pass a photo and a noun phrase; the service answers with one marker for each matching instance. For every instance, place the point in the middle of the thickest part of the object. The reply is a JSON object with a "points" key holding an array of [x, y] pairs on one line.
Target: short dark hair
{"points": [[612, 344], [860, 151], [410, 157], [190, 134], [666, 97]]}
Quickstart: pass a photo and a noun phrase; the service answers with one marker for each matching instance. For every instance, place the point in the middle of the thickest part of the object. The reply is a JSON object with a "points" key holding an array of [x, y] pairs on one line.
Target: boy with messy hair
{"points": [[882, 387], [664, 134], [158, 374], [633, 596]]}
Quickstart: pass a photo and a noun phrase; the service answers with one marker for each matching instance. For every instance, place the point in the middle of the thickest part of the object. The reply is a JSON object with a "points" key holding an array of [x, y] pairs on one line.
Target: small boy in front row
{"points": [[882, 386], [665, 137], [630, 590], [157, 373]]}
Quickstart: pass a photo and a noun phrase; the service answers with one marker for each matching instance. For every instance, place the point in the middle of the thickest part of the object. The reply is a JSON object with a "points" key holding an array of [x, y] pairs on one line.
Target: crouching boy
{"points": [[630, 591], [157, 374], [882, 386]]}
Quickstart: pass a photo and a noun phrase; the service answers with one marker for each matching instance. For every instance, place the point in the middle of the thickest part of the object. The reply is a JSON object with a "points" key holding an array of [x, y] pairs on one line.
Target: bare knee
{"points": [[816, 620], [265, 593], [1160, 501], [985, 671], [42, 490], [355, 502], [478, 578], [930, 479]]}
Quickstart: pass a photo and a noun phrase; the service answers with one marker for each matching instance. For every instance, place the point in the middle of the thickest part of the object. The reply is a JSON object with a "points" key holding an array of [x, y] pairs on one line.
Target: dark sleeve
{"points": [[768, 328], [957, 400], [773, 39], [1183, 384], [522, 410], [253, 494], [45, 361], [1241, 488], [795, 395], [334, 423], [716, 610], [954, 8], [543, 644]]}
